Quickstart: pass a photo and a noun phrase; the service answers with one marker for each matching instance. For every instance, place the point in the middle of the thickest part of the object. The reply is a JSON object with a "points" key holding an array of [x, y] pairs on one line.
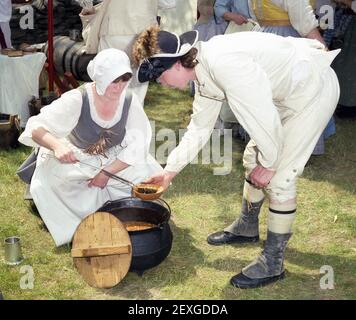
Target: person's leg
{"points": [[63, 198], [7, 33], [3, 44], [247, 223], [301, 135], [268, 267], [245, 228]]}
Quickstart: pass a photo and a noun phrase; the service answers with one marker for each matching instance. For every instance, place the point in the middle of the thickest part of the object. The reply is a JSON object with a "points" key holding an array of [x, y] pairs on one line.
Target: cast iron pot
{"points": [[149, 247]]}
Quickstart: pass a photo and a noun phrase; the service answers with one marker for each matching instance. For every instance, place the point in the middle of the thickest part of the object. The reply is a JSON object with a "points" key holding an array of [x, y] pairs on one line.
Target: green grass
{"points": [[203, 203]]}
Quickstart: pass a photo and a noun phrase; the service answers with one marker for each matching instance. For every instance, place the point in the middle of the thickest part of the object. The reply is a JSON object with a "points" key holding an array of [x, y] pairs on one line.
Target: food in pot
{"points": [[138, 225]]}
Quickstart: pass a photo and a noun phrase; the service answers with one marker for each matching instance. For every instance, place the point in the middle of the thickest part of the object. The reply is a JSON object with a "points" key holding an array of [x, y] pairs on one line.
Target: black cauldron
{"points": [[149, 247]]}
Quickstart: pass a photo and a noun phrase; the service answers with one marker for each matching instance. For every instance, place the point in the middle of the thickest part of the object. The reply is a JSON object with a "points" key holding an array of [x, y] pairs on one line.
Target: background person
{"points": [[207, 25], [5, 17], [344, 37]]}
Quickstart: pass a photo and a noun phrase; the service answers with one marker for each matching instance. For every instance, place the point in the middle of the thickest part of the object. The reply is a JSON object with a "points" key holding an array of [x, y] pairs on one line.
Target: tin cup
{"points": [[13, 254]]}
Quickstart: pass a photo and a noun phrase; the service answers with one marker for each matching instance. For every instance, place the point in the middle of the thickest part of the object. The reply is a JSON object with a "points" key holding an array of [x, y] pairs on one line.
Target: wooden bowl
{"points": [[147, 196]]}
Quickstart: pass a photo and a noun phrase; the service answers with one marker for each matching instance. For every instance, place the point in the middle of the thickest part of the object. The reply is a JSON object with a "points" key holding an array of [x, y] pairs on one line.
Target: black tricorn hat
{"points": [[172, 47]]}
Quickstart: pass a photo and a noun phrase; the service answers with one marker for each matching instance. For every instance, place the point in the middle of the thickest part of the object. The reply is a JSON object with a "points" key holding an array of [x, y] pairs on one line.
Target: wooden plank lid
{"points": [[101, 250]]}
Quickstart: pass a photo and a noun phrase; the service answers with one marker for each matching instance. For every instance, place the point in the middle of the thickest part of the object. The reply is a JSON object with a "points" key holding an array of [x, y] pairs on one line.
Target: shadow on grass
{"points": [[177, 268], [312, 260], [34, 211], [343, 268]]}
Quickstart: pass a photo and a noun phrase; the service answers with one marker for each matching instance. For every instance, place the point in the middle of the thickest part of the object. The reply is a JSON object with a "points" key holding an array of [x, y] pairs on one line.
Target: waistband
{"points": [[274, 23]]}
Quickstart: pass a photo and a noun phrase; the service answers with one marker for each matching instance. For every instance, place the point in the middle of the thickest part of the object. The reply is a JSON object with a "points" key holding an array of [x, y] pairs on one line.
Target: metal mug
{"points": [[13, 254]]}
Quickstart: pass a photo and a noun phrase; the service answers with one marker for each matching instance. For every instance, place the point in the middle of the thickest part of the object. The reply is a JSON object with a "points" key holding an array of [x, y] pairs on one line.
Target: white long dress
{"points": [[60, 191]]}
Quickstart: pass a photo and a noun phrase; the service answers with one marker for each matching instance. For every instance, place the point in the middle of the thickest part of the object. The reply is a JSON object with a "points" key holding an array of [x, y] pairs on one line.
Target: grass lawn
{"points": [[324, 231]]}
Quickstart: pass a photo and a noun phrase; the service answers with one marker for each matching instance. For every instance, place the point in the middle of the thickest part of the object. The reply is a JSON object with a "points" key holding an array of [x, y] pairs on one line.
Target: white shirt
{"points": [[5, 10], [62, 115], [255, 72], [353, 6]]}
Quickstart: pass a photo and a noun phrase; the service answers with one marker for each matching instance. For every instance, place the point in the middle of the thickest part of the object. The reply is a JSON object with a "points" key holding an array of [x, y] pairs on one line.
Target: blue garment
{"points": [[235, 6], [210, 29], [284, 31]]}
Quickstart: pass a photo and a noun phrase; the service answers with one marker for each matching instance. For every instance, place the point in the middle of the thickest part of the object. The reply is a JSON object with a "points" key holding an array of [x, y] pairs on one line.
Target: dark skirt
{"points": [[345, 66]]}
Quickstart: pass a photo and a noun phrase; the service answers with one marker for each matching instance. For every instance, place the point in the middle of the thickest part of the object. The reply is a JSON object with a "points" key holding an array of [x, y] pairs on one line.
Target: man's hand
{"points": [[162, 179], [64, 154], [260, 176], [99, 181]]}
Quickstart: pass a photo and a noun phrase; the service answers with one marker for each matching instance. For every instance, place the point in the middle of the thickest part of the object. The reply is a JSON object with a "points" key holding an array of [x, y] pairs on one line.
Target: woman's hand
{"points": [[235, 17], [87, 12], [162, 179], [260, 176], [64, 154], [99, 181]]}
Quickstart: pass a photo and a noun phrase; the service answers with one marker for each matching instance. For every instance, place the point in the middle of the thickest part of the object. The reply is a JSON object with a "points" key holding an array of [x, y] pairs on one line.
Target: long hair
{"points": [[146, 45]]}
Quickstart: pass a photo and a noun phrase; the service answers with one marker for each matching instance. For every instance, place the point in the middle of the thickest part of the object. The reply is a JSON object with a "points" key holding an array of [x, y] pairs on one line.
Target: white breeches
{"points": [[315, 101]]}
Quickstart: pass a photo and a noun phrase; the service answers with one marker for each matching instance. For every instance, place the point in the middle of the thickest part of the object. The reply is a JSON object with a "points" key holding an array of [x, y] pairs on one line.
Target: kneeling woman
{"points": [[281, 90], [99, 126]]}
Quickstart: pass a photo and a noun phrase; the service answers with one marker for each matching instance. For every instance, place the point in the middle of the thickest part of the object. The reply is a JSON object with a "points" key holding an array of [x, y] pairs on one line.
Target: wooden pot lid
{"points": [[101, 250]]}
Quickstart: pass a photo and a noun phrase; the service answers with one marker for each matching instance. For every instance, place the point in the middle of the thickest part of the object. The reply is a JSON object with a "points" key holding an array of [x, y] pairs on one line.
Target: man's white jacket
{"points": [[256, 73]]}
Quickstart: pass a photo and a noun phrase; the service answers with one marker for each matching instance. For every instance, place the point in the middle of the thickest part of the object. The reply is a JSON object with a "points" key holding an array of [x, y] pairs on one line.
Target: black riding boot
{"points": [[268, 266], [242, 230]]}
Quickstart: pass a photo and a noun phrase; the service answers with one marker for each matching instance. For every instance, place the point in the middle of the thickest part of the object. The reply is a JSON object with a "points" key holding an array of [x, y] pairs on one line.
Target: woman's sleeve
{"points": [[59, 118], [205, 113], [249, 94], [301, 15], [220, 8], [136, 143]]}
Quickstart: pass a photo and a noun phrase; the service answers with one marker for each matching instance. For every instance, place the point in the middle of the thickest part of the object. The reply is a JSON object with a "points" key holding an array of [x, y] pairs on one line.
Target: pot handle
{"points": [[106, 203], [109, 201], [162, 202], [165, 203]]}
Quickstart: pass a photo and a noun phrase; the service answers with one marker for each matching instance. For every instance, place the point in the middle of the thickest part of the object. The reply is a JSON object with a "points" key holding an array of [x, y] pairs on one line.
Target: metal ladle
{"points": [[135, 187]]}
